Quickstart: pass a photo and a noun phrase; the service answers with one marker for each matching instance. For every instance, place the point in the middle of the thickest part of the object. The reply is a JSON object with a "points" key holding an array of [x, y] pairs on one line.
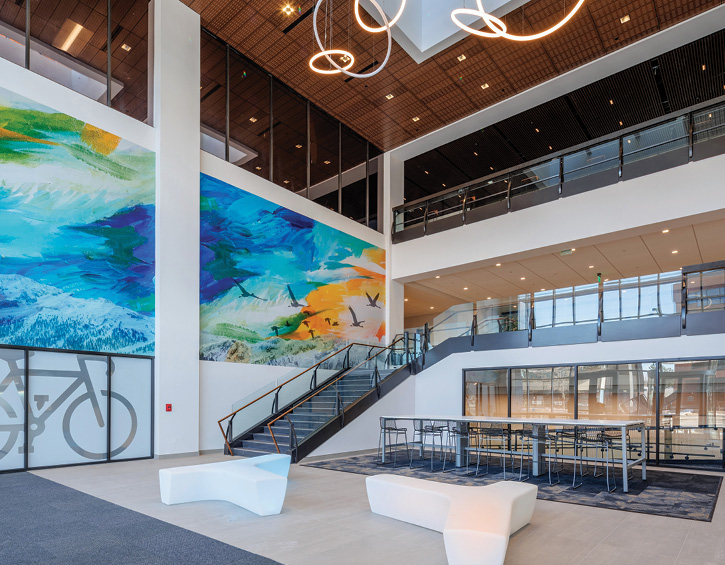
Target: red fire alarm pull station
{"points": [[168, 407]]}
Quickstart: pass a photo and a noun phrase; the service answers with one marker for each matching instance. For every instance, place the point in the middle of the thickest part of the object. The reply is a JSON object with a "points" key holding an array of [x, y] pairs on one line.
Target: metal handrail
{"points": [[560, 155], [278, 387], [328, 385]]}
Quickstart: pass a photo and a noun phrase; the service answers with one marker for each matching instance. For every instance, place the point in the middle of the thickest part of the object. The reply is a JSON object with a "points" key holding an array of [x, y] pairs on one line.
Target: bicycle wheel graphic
{"points": [[124, 405], [9, 432]]}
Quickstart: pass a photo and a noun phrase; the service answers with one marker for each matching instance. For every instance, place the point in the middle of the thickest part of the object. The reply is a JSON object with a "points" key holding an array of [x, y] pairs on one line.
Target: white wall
{"points": [[439, 389], [363, 432], [686, 193]]}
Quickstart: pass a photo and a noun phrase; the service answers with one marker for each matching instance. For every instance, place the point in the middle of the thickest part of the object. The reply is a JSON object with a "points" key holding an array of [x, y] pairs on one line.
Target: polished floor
{"points": [[326, 519]]}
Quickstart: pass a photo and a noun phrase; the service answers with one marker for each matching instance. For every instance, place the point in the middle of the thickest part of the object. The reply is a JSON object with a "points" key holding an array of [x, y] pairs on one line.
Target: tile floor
{"points": [[326, 520]]}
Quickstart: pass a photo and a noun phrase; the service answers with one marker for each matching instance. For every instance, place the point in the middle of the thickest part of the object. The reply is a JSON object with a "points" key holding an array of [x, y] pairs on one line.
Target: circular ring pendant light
{"points": [[499, 28]]}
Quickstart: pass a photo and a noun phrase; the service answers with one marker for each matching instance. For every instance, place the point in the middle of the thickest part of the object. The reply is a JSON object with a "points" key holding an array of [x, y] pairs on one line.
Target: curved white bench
{"points": [[476, 522], [258, 484]]}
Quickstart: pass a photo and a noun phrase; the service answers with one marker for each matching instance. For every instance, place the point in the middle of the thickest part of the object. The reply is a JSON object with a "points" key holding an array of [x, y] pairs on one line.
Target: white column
{"points": [[393, 179], [175, 46]]}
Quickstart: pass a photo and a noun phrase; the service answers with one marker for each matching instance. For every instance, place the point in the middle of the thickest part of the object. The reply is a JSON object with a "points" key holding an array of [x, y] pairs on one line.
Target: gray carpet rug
{"points": [[42, 522], [678, 495]]}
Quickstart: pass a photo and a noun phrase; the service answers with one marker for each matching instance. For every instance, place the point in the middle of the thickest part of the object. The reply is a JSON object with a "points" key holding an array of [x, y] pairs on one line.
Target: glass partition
{"points": [[617, 392], [692, 405], [591, 160], [131, 407], [486, 393], [706, 291], [642, 297], [542, 391], [508, 314], [655, 140], [708, 124], [535, 178], [12, 409]]}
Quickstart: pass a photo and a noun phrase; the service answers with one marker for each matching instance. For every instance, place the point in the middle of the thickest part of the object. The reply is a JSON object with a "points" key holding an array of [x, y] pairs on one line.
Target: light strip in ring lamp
{"points": [[326, 52], [381, 28], [499, 28]]}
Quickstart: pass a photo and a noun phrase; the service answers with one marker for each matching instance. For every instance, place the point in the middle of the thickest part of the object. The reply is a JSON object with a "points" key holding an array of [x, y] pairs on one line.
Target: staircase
{"points": [[364, 374], [309, 416]]}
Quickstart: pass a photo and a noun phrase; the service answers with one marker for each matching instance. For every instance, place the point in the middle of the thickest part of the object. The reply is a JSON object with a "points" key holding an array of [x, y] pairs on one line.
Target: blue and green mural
{"points": [[76, 233], [280, 288]]}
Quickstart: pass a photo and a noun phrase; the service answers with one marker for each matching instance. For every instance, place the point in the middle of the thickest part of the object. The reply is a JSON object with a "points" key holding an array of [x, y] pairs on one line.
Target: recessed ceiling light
{"points": [[674, 251], [620, 122], [488, 298], [438, 276], [692, 282], [426, 172], [406, 300], [389, 96], [491, 168], [537, 130], [611, 102], [252, 120], [629, 141], [298, 146], [498, 264], [665, 231], [126, 47], [416, 119], [461, 57], [543, 289], [327, 162], [523, 278], [549, 147], [476, 154], [432, 307], [258, 168], [591, 266], [703, 67], [465, 288], [605, 280], [72, 36], [484, 85], [573, 249], [288, 10], [624, 19], [286, 182], [444, 184]]}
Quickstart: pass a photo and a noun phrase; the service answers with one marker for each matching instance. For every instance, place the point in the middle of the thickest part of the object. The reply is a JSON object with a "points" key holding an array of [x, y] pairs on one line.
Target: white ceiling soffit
{"points": [[425, 28], [671, 38]]}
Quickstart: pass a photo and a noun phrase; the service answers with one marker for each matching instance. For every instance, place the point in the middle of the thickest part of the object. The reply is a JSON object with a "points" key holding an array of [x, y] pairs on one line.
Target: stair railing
{"points": [[229, 418], [339, 407]]}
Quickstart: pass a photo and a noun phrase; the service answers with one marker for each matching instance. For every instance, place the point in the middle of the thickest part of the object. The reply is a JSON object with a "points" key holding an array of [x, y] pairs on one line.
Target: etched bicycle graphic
{"points": [[81, 378]]}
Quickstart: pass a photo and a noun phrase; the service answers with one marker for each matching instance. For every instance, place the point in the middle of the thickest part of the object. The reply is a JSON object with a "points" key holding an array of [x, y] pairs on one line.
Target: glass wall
{"points": [[278, 135], [706, 291], [70, 43], [681, 402], [62, 399], [643, 297]]}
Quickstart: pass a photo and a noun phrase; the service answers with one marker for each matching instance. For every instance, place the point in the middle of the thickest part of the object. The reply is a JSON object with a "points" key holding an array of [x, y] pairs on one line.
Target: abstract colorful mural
{"points": [[279, 288], [76, 233]]}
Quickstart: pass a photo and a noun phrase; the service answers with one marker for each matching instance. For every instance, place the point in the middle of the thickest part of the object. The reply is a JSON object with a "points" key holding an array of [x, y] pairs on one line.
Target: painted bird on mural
{"points": [[294, 304], [306, 324], [246, 294], [312, 333], [373, 302], [355, 323], [328, 321], [276, 330]]}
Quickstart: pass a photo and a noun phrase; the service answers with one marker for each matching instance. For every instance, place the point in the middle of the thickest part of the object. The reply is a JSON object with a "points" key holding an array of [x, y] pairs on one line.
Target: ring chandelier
{"points": [[496, 25]]}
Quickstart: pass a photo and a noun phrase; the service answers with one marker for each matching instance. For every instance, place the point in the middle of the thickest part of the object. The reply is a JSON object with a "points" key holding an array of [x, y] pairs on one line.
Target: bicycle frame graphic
{"points": [[36, 421]]}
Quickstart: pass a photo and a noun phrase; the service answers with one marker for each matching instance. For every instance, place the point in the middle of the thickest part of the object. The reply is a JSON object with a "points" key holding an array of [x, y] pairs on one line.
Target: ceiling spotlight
{"points": [[389, 96], [426, 172], [465, 288], [416, 119], [438, 276], [327, 162], [288, 10], [624, 19], [484, 85], [345, 58], [537, 130], [476, 154], [573, 249], [286, 182], [252, 119], [620, 122], [543, 289], [126, 47], [406, 300], [298, 146], [665, 231], [444, 184], [550, 148], [703, 67], [523, 278], [605, 280], [498, 264], [258, 168], [611, 102], [591, 266], [432, 307], [488, 298], [674, 251], [491, 168], [461, 57]]}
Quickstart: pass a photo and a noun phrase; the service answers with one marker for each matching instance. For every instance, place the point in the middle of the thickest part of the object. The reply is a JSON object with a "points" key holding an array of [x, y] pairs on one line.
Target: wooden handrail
{"points": [[348, 346], [348, 371]]}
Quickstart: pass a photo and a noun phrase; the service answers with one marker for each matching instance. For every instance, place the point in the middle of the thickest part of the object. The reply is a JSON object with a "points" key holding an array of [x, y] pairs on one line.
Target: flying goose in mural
{"points": [[276, 330], [355, 323], [294, 304], [246, 294], [329, 323], [306, 324], [373, 302], [311, 332]]}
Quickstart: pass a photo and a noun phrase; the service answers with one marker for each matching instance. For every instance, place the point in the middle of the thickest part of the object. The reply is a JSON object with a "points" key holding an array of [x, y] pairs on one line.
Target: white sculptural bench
{"points": [[258, 484], [476, 522]]}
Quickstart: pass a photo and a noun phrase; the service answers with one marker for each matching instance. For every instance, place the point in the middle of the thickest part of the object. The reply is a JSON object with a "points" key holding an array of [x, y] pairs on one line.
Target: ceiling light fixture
{"points": [[465, 288], [523, 278], [288, 10], [416, 119], [591, 266], [327, 162], [484, 85], [488, 298], [406, 300], [461, 57], [258, 168], [476, 154], [426, 172], [252, 120], [674, 251], [624, 19], [126, 47], [498, 264], [298, 146], [703, 67], [611, 102], [499, 28], [327, 54], [432, 307], [72, 36], [286, 182], [537, 130], [389, 96], [438, 276], [665, 231]]}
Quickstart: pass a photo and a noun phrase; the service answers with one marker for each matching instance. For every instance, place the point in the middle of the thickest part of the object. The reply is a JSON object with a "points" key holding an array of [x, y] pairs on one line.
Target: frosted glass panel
{"points": [[67, 410], [130, 408], [12, 409]]}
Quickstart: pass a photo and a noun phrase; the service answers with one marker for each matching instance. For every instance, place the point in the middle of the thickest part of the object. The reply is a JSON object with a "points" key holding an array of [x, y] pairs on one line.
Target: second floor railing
{"points": [[675, 139]]}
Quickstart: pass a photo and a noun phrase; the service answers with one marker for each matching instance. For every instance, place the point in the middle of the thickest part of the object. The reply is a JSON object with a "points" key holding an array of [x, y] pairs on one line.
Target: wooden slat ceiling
{"points": [[442, 89]]}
